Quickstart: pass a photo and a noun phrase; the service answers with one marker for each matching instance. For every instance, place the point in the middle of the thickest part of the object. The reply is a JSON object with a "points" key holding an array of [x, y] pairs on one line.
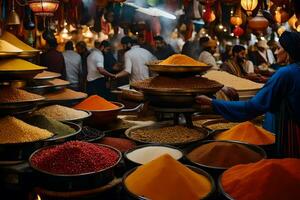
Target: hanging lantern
{"points": [[249, 5], [208, 15], [43, 7], [259, 22], [292, 21], [238, 31], [236, 20], [280, 14]]}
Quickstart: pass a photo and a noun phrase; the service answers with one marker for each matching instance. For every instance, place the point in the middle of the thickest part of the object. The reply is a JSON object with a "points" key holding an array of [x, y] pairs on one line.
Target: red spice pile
{"points": [[119, 143], [75, 157]]}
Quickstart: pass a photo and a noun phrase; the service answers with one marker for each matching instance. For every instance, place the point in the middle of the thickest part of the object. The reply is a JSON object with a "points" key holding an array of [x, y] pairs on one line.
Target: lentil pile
{"points": [[49, 124], [144, 155], [180, 59], [265, 180], [65, 94], [95, 102], [75, 157], [88, 134], [230, 80], [165, 178], [17, 64], [223, 154], [61, 113], [46, 74], [13, 95], [119, 143], [13, 130], [249, 133], [167, 83], [167, 135]]}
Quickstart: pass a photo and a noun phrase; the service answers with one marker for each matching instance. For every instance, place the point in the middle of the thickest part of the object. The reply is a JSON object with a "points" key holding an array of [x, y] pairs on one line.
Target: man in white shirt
{"points": [[208, 47], [96, 73], [73, 65], [135, 60]]}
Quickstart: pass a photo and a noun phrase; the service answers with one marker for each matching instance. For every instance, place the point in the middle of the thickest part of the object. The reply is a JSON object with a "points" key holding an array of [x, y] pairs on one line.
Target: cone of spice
{"points": [[165, 178], [61, 113], [49, 124], [65, 94], [180, 59], [16, 64], [75, 157], [223, 154], [249, 133], [121, 144], [95, 103], [13, 95], [13, 130], [265, 180]]}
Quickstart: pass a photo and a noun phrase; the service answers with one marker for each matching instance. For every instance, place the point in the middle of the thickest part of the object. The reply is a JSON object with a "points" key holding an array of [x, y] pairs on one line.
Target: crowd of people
{"points": [[98, 70]]}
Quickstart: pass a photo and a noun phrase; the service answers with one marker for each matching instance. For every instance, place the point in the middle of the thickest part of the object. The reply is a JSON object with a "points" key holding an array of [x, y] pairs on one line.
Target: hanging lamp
{"points": [[43, 7], [249, 5], [13, 18]]}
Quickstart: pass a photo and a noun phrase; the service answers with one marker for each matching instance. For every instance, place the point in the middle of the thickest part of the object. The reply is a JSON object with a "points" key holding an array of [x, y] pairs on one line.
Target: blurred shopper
{"points": [[208, 47], [73, 65], [162, 49], [53, 59], [135, 60], [81, 48]]}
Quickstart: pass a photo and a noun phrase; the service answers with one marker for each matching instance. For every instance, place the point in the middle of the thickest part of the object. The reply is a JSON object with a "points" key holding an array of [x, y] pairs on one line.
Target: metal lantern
{"points": [[258, 23], [249, 5], [43, 7], [236, 20], [238, 31]]}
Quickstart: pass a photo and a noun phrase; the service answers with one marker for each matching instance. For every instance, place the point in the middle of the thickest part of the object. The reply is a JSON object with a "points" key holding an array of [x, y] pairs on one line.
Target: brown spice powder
{"points": [[13, 95], [65, 94]]}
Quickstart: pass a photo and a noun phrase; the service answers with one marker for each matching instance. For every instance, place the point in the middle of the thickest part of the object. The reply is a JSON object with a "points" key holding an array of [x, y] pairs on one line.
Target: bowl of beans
{"points": [[75, 165], [166, 133]]}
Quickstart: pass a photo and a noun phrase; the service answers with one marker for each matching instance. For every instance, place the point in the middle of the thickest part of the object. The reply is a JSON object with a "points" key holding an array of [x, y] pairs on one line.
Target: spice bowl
{"points": [[210, 196], [216, 171], [146, 153], [73, 182], [80, 121], [104, 117], [221, 190]]}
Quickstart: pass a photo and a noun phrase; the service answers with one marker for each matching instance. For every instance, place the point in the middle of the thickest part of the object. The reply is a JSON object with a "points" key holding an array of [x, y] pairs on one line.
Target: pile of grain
{"points": [[65, 94], [13, 130], [46, 74], [16, 64], [61, 113], [14, 95], [230, 80], [16, 42], [6, 47], [180, 59]]}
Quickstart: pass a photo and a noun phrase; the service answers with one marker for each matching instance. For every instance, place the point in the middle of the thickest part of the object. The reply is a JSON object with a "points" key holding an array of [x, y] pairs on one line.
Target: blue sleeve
{"points": [[267, 99]]}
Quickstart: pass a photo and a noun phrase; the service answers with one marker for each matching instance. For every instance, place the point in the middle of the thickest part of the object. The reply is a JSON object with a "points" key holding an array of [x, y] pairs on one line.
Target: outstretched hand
{"points": [[203, 100]]}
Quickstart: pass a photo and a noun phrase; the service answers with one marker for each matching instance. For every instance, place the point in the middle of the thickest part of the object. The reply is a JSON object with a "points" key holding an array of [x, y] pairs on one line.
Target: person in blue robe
{"points": [[280, 97]]}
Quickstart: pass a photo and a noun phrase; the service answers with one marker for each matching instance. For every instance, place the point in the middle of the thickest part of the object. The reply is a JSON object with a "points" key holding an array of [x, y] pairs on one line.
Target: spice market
{"points": [[149, 99]]}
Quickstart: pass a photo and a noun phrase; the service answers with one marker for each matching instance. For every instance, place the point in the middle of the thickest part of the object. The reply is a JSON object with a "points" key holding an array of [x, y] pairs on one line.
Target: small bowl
{"points": [[95, 139], [217, 171], [79, 121], [132, 164], [104, 117], [195, 169], [72, 182], [225, 196]]}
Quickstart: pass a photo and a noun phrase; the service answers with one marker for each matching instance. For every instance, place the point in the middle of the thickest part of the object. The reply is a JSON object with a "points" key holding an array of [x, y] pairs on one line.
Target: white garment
{"points": [[248, 67], [135, 60], [208, 59], [268, 56], [73, 66], [94, 61]]}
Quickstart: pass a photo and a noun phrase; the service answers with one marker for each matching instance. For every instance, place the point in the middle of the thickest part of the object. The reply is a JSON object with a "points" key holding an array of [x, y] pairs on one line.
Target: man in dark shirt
{"points": [[84, 53], [163, 50], [53, 59]]}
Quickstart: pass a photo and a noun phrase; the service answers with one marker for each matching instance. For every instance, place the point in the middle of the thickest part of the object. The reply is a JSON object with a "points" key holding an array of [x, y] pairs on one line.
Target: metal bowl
{"points": [[103, 117], [195, 169], [129, 131], [79, 121], [43, 87], [72, 182], [215, 171], [46, 75], [222, 191], [20, 74]]}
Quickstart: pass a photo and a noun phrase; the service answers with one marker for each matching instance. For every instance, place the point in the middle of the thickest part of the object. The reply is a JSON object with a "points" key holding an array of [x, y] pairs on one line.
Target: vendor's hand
{"points": [[203, 100]]}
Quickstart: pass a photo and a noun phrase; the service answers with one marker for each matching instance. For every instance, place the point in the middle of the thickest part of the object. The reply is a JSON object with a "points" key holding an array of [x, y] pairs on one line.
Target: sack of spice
{"points": [[274, 179]]}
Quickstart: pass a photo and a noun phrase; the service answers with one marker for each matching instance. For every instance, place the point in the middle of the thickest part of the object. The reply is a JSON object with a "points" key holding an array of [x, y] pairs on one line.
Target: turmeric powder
{"points": [[180, 59], [265, 180], [248, 132], [6, 47], [95, 102], [17, 64], [165, 178], [10, 38]]}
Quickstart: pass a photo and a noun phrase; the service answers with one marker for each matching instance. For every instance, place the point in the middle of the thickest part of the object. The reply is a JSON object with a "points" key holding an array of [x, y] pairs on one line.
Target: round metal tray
{"points": [[129, 131], [176, 69]]}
